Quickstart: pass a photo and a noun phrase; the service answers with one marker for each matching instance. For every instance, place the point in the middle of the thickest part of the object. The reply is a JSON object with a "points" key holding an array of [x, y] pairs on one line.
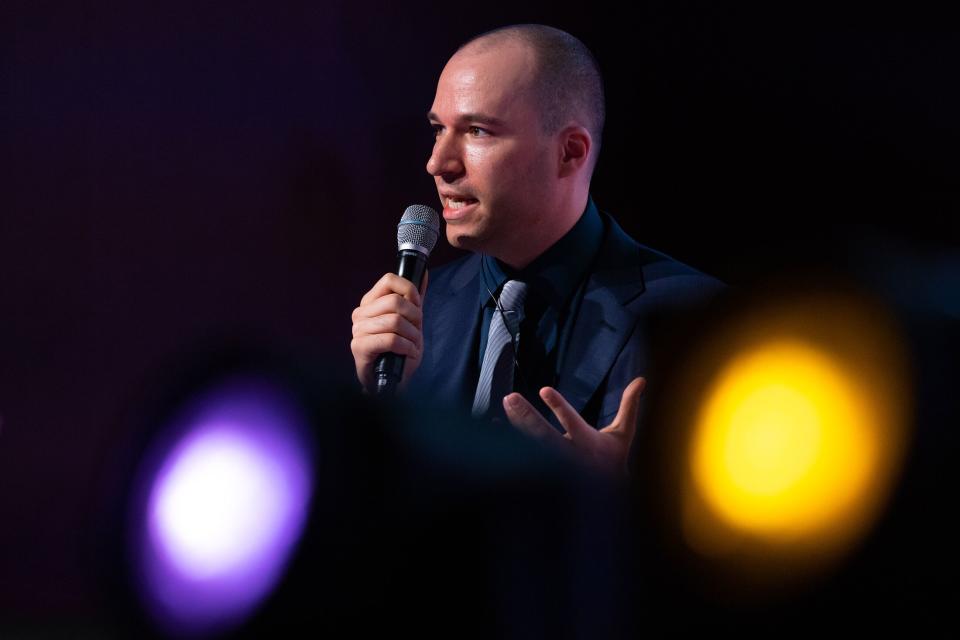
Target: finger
{"points": [[392, 283], [626, 419], [523, 416], [576, 426], [367, 348], [388, 323], [388, 304]]}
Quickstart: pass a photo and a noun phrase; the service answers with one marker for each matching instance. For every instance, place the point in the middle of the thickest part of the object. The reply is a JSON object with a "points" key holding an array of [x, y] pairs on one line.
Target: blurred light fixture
{"points": [[797, 435], [223, 499]]}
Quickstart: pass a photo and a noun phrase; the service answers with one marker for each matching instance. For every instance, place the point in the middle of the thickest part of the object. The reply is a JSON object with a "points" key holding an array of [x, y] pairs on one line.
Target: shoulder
{"points": [[666, 281], [673, 283], [664, 297]]}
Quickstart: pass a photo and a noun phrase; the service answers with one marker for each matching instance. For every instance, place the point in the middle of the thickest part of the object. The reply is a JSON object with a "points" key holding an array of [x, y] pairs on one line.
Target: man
{"points": [[517, 119]]}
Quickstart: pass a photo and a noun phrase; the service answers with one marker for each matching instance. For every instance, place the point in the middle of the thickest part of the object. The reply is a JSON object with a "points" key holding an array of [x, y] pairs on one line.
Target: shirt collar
{"points": [[553, 275]]}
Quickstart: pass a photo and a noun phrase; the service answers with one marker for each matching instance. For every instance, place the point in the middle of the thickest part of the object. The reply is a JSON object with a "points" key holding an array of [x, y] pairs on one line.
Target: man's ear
{"points": [[575, 146]]}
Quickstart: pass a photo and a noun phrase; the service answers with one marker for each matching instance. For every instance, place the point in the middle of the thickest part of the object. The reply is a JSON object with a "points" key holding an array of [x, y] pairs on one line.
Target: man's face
{"points": [[490, 151]]}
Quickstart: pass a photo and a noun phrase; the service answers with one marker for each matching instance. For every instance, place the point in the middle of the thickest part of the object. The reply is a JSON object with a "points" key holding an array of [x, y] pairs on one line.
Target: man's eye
{"points": [[478, 129], [436, 130]]}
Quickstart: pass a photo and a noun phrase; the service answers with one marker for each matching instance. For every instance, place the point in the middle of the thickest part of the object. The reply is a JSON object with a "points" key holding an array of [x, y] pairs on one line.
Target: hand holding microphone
{"points": [[387, 340]]}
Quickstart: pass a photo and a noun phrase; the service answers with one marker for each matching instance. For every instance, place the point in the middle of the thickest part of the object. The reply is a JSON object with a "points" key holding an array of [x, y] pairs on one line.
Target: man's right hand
{"points": [[389, 319]]}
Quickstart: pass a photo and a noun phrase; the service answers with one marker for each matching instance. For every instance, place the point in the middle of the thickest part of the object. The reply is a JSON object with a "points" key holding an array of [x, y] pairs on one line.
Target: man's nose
{"points": [[446, 158]]}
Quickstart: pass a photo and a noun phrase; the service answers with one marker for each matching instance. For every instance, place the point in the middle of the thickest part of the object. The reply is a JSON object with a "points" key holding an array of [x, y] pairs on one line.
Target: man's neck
{"points": [[528, 251]]}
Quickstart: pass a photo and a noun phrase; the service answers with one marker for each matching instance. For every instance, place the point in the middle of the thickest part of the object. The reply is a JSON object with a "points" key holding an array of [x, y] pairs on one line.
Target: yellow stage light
{"points": [[782, 446], [799, 433]]}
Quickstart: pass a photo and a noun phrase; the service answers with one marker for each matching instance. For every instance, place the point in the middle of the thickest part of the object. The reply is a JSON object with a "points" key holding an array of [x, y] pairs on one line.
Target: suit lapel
{"points": [[604, 319], [451, 360]]}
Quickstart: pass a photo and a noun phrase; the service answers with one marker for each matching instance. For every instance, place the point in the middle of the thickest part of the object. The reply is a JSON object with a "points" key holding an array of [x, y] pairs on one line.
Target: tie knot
{"points": [[511, 300], [513, 295]]}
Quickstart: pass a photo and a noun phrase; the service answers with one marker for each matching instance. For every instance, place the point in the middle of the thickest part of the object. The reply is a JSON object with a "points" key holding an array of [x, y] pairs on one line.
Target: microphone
{"points": [[417, 235]]}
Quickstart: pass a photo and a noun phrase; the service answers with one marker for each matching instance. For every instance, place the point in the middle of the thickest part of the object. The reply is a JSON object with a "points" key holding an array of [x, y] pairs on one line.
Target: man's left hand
{"points": [[606, 448]]}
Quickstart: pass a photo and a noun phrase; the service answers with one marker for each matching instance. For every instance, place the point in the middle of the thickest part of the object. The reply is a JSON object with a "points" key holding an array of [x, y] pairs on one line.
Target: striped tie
{"points": [[496, 373]]}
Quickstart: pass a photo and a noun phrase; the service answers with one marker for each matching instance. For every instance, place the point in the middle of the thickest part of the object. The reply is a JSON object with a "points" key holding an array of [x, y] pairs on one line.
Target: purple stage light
{"points": [[225, 500]]}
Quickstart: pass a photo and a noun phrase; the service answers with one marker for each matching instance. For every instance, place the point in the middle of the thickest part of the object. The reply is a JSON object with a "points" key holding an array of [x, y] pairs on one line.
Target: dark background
{"points": [[173, 174]]}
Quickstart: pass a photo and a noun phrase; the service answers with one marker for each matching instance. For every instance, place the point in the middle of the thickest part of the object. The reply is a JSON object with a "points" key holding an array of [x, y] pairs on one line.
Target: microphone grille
{"points": [[419, 226]]}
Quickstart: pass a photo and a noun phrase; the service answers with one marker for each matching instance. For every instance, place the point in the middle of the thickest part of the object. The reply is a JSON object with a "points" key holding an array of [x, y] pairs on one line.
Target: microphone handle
{"points": [[388, 368]]}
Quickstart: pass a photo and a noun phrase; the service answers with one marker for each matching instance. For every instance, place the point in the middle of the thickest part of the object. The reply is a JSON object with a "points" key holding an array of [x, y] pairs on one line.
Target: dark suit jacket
{"points": [[629, 289]]}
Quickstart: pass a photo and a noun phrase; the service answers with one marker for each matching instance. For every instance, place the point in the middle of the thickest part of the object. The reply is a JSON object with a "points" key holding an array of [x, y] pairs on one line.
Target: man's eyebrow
{"points": [[472, 117]]}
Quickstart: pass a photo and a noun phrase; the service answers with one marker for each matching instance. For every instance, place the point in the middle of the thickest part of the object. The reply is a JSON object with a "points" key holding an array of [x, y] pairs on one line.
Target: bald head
{"points": [[567, 84]]}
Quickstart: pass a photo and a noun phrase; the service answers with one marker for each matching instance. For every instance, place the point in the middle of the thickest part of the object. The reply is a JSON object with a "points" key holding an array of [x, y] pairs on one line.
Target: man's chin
{"points": [[461, 239]]}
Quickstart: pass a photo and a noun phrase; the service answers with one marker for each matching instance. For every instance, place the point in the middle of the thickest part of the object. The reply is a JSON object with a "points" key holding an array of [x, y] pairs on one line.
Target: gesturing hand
{"points": [[606, 449]]}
